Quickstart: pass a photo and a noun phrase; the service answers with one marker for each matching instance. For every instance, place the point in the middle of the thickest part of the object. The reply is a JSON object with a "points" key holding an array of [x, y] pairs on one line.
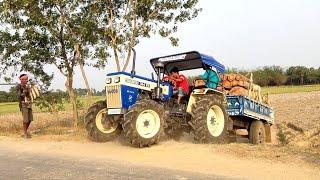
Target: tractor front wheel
{"points": [[143, 123], [100, 126]]}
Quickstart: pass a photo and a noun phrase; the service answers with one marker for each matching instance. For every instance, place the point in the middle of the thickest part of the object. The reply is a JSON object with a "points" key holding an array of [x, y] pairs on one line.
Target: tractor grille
{"points": [[113, 96]]}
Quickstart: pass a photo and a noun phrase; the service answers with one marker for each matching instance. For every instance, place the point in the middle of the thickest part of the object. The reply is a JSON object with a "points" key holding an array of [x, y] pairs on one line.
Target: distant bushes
{"points": [[51, 96], [276, 75], [8, 96]]}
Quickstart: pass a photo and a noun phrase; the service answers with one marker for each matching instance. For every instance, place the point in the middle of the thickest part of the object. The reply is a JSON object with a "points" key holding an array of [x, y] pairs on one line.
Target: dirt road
{"points": [[62, 148], [22, 165], [187, 160]]}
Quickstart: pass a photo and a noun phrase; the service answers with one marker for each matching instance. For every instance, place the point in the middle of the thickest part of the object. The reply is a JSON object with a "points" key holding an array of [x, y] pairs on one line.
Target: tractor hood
{"points": [[186, 61]]}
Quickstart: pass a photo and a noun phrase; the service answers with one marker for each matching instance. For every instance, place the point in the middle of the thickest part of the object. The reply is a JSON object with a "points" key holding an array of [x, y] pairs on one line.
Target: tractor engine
{"points": [[124, 89]]}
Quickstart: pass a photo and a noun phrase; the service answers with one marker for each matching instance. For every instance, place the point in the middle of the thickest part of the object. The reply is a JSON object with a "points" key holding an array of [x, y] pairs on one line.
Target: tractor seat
{"points": [[199, 87], [184, 98]]}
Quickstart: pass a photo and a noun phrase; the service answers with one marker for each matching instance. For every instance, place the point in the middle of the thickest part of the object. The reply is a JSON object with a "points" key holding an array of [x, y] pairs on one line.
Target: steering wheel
{"points": [[170, 81]]}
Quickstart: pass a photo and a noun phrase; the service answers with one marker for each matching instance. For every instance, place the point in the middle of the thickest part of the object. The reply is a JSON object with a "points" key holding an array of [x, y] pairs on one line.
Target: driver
{"points": [[182, 86]]}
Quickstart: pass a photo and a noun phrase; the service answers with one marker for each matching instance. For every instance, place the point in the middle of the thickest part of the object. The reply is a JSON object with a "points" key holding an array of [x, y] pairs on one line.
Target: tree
{"points": [[297, 74], [10, 96], [313, 76], [55, 32], [124, 22]]}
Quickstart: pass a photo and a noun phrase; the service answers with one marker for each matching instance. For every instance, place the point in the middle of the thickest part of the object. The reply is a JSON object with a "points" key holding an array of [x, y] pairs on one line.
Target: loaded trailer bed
{"points": [[241, 106]]}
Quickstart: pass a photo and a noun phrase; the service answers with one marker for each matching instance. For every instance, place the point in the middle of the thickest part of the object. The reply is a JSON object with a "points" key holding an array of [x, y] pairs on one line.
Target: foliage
{"points": [[67, 33], [124, 22], [80, 104], [277, 76], [269, 76], [52, 101], [10, 96], [37, 33], [303, 75]]}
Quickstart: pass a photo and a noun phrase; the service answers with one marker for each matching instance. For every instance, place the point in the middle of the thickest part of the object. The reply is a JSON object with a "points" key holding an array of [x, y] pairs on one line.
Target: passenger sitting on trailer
{"points": [[182, 86], [210, 77]]}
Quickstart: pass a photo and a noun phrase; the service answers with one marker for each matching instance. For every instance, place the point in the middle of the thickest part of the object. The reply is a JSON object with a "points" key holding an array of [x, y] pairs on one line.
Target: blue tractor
{"points": [[144, 109]]}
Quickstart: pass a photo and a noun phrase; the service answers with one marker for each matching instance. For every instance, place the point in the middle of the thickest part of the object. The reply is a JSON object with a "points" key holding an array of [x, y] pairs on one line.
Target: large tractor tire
{"points": [[100, 126], [257, 134], [144, 123], [173, 129], [210, 120]]}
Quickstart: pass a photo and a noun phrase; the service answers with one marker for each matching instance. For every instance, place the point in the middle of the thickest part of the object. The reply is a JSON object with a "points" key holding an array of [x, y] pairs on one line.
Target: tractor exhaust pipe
{"points": [[158, 90], [133, 72]]}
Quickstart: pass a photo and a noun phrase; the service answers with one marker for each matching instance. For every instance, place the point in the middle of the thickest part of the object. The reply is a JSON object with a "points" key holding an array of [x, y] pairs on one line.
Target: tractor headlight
{"points": [[108, 80], [117, 79]]}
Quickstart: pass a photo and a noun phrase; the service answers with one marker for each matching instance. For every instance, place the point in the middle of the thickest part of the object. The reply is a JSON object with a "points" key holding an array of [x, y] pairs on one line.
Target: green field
{"points": [[290, 89], [12, 107], [9, 107]]}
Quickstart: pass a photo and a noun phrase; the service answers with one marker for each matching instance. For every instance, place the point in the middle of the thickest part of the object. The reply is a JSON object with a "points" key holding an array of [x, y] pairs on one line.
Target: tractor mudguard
{"points": [[203, 91]]}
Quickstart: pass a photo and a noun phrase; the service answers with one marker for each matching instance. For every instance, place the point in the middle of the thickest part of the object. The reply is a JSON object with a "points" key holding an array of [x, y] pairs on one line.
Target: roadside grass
{"points": [[9, 107], [290, 89], [45, 125], [54, 126]]}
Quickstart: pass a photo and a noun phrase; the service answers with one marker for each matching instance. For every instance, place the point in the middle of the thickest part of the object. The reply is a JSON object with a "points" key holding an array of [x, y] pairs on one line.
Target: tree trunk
{"points": [[116, 57], [89, 95], [83, 73], [133, 36], [73, 99], [301, 79], [127, 61]]}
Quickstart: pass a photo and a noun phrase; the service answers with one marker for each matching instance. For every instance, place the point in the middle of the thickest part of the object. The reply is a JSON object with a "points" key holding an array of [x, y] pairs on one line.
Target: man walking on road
{"points": [[25, 104]]}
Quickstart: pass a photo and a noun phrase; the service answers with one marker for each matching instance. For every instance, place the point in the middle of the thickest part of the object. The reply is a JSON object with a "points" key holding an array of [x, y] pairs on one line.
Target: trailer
{"points": [[256, 117]]}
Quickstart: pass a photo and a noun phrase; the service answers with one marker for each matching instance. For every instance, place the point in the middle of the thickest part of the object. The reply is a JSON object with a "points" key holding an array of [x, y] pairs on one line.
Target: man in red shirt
{"points": [[182, 86]]}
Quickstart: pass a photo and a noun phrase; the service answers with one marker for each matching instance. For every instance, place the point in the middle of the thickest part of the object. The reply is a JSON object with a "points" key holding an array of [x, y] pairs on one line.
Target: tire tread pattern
{"points": [[199, 119], [130, 118], [94, 133]]}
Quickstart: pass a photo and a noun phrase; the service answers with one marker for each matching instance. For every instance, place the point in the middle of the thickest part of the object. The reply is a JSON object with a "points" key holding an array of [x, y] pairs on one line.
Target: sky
{"points": [[243, 34]]}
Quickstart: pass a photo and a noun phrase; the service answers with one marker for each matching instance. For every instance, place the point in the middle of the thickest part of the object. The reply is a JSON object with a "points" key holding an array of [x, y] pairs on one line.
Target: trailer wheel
{"points": [[257, 134], [100, 126], [210, 120], [143, 123]]}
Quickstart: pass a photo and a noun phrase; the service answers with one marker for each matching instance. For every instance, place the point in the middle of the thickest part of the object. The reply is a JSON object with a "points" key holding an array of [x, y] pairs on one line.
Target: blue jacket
{"points": [[211, 77]]}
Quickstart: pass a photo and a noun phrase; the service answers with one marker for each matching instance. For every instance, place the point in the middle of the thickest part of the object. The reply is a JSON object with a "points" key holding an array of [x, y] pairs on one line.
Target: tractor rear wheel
{"points": [[143, 123], [173, 129], [100, 126], [257, 134], [210, 120]]}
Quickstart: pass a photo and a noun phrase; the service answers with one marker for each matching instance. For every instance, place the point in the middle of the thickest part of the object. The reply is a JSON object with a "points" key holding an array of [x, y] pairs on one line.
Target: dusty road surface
{"points": [[33, 159], [22, 165], [58, 152]]}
